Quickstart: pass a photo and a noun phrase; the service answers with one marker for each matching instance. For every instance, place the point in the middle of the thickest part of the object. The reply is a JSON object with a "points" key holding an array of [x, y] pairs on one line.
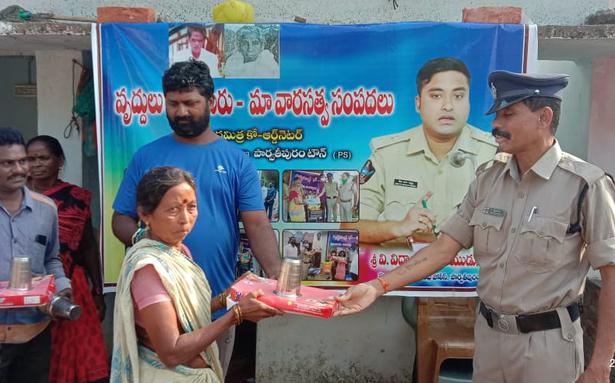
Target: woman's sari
{"points": [[190, 293], [79, 354], [296, 210]]}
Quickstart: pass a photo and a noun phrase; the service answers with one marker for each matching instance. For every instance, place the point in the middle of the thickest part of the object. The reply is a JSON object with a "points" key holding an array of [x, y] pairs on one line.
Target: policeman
{"points": [[439, 156], [348, 197], [537, 221], [330, 191]]}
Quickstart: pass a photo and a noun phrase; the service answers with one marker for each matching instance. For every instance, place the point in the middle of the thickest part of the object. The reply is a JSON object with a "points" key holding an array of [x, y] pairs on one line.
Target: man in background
{"points": [[28, 227]]}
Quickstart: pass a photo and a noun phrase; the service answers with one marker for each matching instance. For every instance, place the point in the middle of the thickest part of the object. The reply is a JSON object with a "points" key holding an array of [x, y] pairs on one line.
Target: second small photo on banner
{"points": [[320, 196]]}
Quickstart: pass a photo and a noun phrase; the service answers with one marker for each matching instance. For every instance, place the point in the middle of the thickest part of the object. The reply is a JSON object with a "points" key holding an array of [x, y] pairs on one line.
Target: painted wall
{"points": [[17, 112], [545, 12], [602, 119], [54, 78]]}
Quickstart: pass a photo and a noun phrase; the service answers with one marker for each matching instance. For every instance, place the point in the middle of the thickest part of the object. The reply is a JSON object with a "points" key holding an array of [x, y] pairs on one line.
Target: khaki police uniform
{"points": [[530, 262], [347, 193], [331, 189], [405, 169]]}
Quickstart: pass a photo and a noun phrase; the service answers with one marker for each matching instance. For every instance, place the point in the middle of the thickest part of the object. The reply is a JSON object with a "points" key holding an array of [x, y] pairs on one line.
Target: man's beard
{"points": [[192, 128]]}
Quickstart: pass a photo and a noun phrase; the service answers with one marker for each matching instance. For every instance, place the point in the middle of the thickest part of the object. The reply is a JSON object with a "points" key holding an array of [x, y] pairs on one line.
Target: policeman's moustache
{"points": [[501, 133], [458, 159]]}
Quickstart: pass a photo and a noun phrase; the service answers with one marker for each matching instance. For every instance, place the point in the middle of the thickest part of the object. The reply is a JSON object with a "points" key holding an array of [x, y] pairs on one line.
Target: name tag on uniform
{"points": [[494, 211], [405, 183]]}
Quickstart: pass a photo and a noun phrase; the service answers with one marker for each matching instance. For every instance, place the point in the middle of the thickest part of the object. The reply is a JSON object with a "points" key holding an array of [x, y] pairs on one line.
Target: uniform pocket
{"points": [[487, 232], [36, 253], [540, 244]]}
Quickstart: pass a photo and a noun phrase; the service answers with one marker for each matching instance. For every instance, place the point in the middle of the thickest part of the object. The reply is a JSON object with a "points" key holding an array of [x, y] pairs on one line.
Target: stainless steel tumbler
{"points": [[21, 274], [289, 281]]}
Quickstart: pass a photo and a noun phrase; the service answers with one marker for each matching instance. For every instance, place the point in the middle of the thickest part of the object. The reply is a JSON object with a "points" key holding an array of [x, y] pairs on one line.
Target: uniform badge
{"points": [[405, 183], [494, 91], [494, 212], [367, 171]]}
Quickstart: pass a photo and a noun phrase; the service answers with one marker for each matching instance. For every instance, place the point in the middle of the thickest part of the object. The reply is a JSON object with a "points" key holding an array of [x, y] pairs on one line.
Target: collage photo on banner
{"points": [[321, 196], [245, 258], [231, 51], [339, 123], [326, 255]]}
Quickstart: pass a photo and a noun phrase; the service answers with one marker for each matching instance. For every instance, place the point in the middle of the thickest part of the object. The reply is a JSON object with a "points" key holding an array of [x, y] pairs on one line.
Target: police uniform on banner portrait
{"points": [[535, 235], [402, 168]]}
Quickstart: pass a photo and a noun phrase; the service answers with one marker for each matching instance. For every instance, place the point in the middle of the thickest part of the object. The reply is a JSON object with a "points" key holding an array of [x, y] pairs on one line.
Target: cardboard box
{"points": [[313, 301], [42, 290]]}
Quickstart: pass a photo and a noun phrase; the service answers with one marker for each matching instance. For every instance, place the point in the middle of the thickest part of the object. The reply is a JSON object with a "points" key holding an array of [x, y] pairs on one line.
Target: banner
{"points": [[304, 102]]}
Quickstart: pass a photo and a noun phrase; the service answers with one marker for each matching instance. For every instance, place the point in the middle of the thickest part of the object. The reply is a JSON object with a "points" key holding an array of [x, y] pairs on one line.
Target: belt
{"points": [[527, 323], [332, 197], [347, 200]]}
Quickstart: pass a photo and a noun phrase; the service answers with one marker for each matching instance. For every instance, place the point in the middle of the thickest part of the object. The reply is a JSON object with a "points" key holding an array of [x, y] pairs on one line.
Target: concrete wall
{"points": [[562, 12], [17, 112], [602, 120], [573, 128], [376, 345], [54, 79]]}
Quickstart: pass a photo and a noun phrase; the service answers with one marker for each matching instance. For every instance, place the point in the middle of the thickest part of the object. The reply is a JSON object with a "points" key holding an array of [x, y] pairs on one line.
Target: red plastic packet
{"points": [[313, 301]]}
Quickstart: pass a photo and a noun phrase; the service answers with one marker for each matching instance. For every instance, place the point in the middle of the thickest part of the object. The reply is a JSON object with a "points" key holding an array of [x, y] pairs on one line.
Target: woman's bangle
{"points": [[221, 298], [384, 284], [237, 314]]}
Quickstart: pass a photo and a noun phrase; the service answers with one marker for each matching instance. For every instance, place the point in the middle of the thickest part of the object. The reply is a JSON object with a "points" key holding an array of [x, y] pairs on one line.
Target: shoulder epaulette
{"points": [[390, 139], [498, 159], [588, 172]]}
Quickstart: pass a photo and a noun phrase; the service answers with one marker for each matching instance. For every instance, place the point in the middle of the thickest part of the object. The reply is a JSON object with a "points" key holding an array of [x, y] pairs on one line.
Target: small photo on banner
{"points": [[270, 187], [252, 51], [320, 196], [198, 42], [245, 258], [326, 255]]}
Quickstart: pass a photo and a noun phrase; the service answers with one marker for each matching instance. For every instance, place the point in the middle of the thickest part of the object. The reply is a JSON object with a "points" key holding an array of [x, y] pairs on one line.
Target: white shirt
{"points": [[205, 56]]}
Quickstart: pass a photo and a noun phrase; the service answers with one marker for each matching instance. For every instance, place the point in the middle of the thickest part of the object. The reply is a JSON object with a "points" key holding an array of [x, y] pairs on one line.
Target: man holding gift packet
{"points": [[28, 227], [538, 220]]}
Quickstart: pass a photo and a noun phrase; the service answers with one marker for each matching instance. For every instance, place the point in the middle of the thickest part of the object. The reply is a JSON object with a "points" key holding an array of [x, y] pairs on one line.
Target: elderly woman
{"points": [[252, 59], [78, 349], [162, 327]]}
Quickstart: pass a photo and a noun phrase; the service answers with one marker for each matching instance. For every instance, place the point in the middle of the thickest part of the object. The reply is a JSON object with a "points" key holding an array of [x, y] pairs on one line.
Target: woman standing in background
{"points": [[78, 353]]}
